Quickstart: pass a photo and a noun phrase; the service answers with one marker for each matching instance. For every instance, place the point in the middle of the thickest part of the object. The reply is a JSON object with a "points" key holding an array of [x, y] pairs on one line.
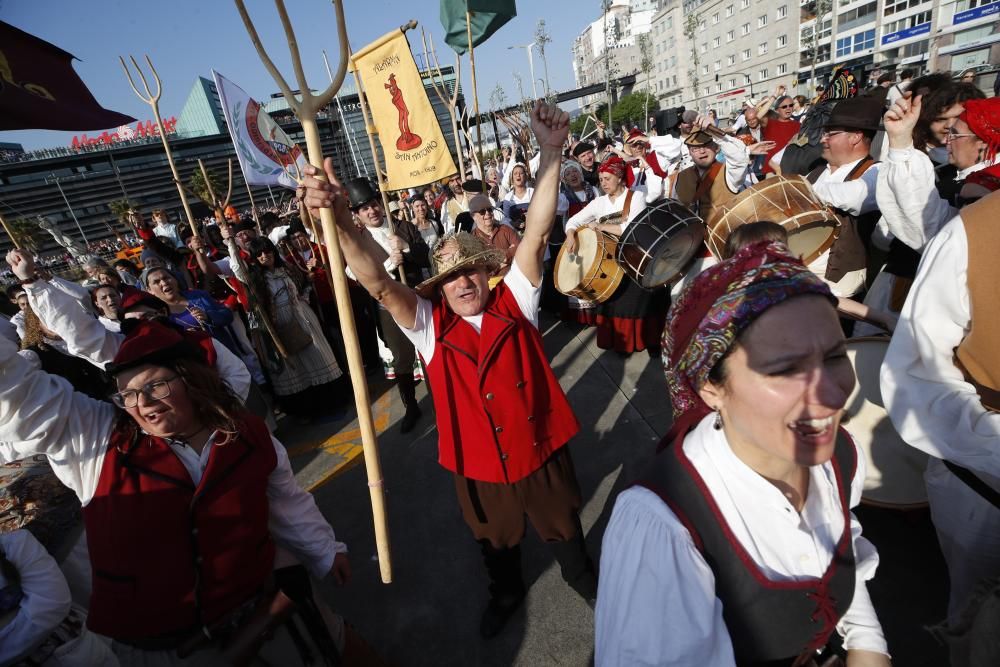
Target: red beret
{"points": [[152, 342], [135, 297], [613, 164]]}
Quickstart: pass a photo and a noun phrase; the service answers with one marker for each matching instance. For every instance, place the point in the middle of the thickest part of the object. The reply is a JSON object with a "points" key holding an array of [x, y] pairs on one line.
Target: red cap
{"points": [[983, 118], [613, 164], [136, 297], [152, 342], [636, 133]]}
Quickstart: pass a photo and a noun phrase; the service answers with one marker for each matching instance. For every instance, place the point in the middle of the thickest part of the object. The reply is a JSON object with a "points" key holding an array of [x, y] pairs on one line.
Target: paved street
{"points": [[429, 615]]}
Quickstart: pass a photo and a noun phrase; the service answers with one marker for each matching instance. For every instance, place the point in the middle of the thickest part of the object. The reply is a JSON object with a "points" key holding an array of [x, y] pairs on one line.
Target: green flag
{"points": [[487, 17]]}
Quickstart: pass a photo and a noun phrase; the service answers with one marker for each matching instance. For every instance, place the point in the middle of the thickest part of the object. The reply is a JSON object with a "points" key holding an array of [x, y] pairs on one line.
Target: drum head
{"points": [[895, 471], [659, 243], [571, 270], [672, 257]]}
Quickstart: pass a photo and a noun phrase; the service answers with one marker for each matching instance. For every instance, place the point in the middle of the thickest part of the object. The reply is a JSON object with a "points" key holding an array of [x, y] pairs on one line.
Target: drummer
{"points": [[632, 319], [741, 528], [708, 183], [847, 185]]}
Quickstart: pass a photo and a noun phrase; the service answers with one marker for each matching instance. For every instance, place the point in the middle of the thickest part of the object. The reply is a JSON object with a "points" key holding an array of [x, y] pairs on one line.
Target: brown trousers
{"points": [[550, 497]]}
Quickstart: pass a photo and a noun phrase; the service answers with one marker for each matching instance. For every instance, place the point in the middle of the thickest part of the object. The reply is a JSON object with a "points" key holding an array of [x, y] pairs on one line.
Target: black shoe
{"points": [[496, 615], [410, 419]]}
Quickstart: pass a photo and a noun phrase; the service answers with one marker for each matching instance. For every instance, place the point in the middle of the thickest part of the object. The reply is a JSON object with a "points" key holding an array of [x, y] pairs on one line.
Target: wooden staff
{"points": [[12, 237], [440, 89], [218, 205], [305, 109], [153, 100], [253, 207]]}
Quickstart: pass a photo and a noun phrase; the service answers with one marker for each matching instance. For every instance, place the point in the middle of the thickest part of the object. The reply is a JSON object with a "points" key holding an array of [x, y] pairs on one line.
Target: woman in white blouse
{"points": [[738, 547], [631, 320], [516, 201]]}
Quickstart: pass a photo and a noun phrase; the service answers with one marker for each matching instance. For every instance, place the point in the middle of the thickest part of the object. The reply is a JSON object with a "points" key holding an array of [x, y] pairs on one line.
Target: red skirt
{"points": [[583, 316], [632, 320]]}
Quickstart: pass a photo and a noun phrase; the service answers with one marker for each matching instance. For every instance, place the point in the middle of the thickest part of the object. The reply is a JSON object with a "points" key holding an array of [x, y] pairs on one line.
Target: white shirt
{"points": [[41, 414], [98, 341], [656, 603], [895, 92], [931, 405], [908, 198], [424, 337], [510, 200], [856, 197], [604, 205], [168, 230]]}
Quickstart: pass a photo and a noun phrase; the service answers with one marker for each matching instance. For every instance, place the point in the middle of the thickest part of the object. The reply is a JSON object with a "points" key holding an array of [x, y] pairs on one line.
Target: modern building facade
{"points": [[967, 36], [73, 186]]}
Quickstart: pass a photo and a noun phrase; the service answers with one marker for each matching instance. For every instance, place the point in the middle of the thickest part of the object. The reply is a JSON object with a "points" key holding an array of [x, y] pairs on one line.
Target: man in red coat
{"points": [[503, 421]]}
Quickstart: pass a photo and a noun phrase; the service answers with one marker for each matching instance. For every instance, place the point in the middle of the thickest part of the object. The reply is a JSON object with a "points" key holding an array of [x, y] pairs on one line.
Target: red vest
{"points": [[500, 410], [168, 556]]}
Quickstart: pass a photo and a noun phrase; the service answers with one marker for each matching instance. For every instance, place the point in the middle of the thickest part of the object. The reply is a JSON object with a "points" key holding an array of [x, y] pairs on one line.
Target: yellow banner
{"points": [[415, 150]]}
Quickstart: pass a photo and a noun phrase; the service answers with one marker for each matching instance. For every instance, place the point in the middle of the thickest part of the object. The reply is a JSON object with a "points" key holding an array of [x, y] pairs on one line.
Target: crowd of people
{"points": [[153, 389]]}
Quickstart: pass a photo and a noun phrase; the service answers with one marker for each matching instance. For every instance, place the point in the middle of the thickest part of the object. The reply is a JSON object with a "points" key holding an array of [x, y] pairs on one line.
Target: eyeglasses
{"points": [[787, 106], [154, 391], [485, 211], [832, 133], [951, 135]]}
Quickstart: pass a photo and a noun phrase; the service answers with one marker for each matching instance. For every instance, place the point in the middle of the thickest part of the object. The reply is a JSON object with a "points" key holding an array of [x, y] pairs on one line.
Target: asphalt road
{"points": [[429, 614]]}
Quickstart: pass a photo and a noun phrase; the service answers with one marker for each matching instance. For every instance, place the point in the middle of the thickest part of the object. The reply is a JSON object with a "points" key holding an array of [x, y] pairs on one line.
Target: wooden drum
{"points": [[786, 200], [656, 247], [591, 274]]}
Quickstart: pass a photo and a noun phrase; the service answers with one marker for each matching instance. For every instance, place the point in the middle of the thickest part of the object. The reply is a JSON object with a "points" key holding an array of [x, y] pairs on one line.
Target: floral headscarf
{"points": [[711, 313]]}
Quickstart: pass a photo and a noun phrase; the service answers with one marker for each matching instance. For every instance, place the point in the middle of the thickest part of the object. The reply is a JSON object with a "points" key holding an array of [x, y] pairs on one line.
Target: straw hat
{"points": [[456, 252]]}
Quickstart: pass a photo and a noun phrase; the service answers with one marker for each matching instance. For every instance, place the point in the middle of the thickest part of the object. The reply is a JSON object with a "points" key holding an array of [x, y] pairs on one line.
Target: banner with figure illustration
{"points": [[267, 156], [413, 145]]}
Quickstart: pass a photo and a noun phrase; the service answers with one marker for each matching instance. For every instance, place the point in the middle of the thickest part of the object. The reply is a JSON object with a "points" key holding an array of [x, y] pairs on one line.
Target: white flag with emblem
{"points": [[267, 156]]}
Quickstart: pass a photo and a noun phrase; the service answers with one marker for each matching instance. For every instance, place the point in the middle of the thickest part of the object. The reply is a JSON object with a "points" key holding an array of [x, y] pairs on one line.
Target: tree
{"points": [[646, 66], [120, 209], [690, 27], [632, 109], [28, 234], [198, 187], [541, 39]]}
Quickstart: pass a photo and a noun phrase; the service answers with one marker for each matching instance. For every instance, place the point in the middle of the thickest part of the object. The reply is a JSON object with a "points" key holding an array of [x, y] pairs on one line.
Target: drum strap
{"points": [[707, 181], [988, 493]]}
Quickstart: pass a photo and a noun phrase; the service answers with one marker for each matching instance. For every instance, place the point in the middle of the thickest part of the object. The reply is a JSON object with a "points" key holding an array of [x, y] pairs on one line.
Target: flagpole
{"points": [[472, 65], [305, 107], [253, 207], [7, 229], [271, 195]]}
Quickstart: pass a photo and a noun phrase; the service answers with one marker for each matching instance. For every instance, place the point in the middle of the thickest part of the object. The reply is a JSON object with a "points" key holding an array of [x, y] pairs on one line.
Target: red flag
{"points": [[39, 90]]}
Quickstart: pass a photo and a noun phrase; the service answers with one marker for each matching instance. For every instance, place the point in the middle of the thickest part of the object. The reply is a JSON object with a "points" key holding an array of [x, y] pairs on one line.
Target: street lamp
{"points": [[531, 65]]}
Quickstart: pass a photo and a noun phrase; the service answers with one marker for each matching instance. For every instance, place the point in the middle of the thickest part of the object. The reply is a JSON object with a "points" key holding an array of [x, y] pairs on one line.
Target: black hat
{"points": [[856, 113], [296, 226], [668, 119], [360, 191], [582, 148], [474, 185], [244, 225]]}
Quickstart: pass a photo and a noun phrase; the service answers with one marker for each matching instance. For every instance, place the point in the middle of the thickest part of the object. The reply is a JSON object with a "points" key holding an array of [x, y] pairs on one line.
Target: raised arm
{"points": [[364, 256], [551, 127]]}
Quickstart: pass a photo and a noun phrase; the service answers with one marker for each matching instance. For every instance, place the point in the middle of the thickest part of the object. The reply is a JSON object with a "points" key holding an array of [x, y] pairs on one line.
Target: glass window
{"points": [[745, 29], [731, 35], [864, 40], [716, 42], [782, 11], [730, 60], [762, 48], [746, 54], [843, 47], [967, 36], [970, 59], [916, 49], [782, 41], [782, 69], [762, 75], [762, 21], [715, 18], [717, 65], [730, 10], [744, 4]]}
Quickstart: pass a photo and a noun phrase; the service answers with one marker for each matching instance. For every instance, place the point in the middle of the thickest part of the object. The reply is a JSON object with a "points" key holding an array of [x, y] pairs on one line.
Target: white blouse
{"points": [[656, 602], [604, 205]]}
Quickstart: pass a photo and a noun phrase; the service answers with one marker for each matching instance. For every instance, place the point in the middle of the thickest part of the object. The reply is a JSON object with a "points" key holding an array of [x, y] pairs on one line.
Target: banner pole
{"points": [[253, 207], [472, 66]]}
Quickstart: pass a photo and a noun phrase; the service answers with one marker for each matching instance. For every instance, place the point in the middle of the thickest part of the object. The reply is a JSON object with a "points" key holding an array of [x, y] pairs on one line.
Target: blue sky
{"points": [[187, 38]]}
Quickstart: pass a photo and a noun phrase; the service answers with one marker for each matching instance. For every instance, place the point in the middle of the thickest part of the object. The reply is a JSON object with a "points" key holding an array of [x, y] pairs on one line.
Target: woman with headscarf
{"points": [[306, 380], [741, 531], [631, 320]]}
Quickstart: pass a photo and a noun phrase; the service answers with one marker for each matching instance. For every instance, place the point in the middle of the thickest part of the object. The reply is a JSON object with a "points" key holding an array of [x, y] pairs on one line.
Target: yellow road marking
{"points": [[346, 445]]}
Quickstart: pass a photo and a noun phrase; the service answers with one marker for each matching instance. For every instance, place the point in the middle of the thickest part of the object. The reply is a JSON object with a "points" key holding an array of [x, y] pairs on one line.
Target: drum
{"points": [[895, 476], [591, 274], [786, 200], [31, 497], [657, 246]]}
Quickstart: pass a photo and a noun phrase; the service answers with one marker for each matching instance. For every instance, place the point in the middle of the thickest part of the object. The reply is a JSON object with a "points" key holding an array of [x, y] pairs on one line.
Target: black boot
{"points": [[408, 392], [577, 568], [506, 587]]}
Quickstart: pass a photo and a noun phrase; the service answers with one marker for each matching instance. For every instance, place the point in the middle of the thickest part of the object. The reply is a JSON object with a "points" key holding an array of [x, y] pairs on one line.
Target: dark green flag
{"points": [[487, 17]]}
